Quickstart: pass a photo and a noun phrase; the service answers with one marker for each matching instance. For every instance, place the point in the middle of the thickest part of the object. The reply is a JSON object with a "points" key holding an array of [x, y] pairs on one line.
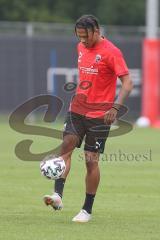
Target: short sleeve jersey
{"points": [[98, 68]]}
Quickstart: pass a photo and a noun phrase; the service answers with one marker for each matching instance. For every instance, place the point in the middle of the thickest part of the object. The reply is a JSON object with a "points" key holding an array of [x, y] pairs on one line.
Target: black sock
{"points": [[88, 202], [59, 185]]}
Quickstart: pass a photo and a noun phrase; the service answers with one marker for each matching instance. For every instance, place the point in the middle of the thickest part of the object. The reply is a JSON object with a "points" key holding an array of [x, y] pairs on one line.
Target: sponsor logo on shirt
{"points": [[90, 70]]}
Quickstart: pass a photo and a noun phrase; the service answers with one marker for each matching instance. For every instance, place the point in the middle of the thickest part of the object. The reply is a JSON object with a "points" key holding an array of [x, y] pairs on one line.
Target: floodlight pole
{"points": [[152, 8], [151, 62], [30, 79]]}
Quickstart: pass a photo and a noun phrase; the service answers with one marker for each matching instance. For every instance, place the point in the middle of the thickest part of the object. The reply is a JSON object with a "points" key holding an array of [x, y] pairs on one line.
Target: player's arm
{"points": [[125, 90]]}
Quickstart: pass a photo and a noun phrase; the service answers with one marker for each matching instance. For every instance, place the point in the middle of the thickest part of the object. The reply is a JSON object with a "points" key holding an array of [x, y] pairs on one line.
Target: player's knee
{"points": [[92, 159], [69, 143], [92, 167], [70, 139]]}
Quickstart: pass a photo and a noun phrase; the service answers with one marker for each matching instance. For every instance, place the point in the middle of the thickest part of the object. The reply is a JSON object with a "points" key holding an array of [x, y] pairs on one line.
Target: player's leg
{"points": [[93, 172], [92, 181], [94, 145], [67, 147], [72, 137]]}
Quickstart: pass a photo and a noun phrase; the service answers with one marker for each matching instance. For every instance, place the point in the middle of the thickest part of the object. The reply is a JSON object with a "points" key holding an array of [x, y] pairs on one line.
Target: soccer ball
{"points": [[143, 122], [53, 168]]}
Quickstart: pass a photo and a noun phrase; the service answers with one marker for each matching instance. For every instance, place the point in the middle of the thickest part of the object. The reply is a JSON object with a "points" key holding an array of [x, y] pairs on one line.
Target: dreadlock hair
{"points": [[87, 22]]}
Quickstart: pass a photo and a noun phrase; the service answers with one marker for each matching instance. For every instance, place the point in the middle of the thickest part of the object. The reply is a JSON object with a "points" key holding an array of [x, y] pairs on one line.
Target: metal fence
{"points": [[39, 29]]}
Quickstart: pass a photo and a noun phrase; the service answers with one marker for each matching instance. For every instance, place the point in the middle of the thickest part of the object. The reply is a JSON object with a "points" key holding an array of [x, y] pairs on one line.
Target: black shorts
{"points": [[93, 129]]}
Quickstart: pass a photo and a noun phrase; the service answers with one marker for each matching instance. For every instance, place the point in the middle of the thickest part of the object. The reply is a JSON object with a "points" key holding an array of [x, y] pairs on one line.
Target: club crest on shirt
{"points": [[98, 58]]}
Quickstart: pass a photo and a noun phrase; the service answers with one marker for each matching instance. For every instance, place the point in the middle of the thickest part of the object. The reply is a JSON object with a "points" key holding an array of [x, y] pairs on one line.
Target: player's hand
{"points": [[110, 116]]}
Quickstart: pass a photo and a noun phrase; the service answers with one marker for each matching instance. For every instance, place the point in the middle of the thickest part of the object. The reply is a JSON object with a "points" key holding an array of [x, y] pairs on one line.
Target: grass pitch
{"points": [[127, 205]]}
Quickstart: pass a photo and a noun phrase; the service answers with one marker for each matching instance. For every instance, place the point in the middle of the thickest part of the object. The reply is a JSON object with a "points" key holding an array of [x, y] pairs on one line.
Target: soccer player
{"points": [[93, 109]]}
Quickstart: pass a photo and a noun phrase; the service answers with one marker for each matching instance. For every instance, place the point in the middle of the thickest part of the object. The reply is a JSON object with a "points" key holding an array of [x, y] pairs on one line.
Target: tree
{"points": [[117, 12], [120, 12]]}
